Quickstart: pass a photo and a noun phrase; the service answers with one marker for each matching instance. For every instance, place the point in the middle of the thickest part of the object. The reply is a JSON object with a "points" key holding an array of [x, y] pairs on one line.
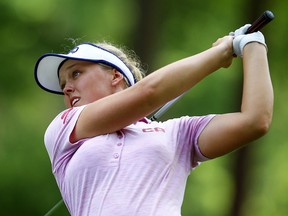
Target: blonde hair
{"points": [[129, 57]]}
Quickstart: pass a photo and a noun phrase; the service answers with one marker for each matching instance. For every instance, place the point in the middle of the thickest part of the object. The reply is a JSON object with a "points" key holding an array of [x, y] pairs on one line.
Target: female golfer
{"points": [[108, 159]]}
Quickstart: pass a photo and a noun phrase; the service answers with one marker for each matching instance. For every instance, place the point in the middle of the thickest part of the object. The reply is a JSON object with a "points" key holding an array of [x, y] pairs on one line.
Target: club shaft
{"points": [[164, 108], [51, 211]]}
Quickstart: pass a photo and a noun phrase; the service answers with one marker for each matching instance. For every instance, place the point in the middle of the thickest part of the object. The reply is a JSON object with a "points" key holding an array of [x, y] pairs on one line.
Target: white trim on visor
{"points": [[47, 66]]}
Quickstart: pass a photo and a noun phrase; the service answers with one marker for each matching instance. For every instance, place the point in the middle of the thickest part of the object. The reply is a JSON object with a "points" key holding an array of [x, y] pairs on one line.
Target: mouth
{"points": [[73, 101]]}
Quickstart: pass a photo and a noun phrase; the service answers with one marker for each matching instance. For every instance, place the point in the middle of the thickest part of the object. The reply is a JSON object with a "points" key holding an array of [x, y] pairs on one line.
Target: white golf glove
{"points": [[241, 39]]}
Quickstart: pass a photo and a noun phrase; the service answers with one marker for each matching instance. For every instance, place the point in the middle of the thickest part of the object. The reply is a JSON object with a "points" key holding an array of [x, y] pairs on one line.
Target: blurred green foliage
{"points": [[33, 27]]}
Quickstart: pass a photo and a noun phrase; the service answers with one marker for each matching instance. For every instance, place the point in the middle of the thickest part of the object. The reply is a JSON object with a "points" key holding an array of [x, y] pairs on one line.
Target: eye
{"points": [[75, 74]]}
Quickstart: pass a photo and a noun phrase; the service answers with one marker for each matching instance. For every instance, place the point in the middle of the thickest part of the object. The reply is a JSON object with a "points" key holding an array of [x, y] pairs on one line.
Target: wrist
{"points": [[242, 41], [255, 47], [224, 54]]}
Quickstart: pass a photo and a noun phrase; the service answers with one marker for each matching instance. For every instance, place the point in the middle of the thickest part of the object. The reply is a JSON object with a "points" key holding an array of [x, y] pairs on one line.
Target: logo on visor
{"points": [[74, 50]]}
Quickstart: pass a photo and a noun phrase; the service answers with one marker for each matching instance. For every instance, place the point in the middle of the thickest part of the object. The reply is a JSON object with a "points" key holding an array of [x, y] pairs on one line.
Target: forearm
{"points": [[178, 77], [257, 100]]}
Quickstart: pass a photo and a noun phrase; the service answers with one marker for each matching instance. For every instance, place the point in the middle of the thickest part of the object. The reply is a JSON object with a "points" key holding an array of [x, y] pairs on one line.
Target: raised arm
{"points": [[228, 132], [118, 110]]}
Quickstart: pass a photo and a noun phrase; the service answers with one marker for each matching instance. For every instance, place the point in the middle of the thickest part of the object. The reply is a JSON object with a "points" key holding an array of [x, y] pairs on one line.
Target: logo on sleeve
{"points": [[65, 115]]}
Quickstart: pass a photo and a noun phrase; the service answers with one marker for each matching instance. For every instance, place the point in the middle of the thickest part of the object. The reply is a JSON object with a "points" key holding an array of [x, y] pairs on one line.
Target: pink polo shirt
{"points": [[140, 170]]}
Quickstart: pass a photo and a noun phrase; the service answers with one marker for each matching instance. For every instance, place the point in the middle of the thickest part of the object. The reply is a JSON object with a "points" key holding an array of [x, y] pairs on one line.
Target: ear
{"points": [[118, 77]]}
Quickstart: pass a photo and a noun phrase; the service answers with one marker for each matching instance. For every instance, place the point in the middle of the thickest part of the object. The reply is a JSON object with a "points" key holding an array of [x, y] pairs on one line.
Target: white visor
{"points": [[47, 66]]}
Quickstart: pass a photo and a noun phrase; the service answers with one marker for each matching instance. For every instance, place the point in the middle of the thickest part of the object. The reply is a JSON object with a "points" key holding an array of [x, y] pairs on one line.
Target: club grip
{"points": [[259, 23]]}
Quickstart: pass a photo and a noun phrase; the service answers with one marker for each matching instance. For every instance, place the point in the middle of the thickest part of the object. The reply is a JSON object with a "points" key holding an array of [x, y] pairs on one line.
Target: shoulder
{"points": [[62, 125], [65, 117]]}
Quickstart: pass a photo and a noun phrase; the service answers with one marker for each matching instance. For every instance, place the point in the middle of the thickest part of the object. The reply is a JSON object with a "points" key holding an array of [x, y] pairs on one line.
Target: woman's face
{"points": [[83, 82]]}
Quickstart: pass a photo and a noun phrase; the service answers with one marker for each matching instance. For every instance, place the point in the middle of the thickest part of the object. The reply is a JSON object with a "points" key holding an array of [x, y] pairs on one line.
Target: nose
{"points": [[68, 89]]}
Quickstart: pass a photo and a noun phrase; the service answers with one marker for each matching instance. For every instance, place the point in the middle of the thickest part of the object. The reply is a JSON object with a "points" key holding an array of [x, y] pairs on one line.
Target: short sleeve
{"points": [[57, 135], [189, 131]]}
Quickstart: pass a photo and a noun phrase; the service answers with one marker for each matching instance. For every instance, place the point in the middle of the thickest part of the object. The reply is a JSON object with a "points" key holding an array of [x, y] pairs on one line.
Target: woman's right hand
{"points": [[226, 45]]}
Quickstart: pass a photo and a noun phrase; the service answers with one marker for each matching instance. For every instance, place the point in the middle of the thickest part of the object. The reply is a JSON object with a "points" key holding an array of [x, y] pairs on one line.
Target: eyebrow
{"points": [[70, 66], [67, 68]]}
